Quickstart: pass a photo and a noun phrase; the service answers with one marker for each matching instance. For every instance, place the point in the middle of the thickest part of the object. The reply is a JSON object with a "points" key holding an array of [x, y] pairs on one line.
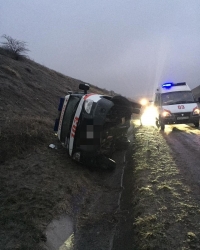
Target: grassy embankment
{"points": [[36, 183], [165, 213]]}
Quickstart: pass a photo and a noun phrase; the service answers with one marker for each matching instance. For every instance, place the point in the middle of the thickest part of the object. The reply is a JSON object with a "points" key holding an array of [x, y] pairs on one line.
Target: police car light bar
{"points": [[167, 85]]}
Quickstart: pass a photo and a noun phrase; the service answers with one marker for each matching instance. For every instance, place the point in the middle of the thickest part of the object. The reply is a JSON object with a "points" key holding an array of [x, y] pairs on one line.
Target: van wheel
{"points": [[157, 124], [162, 125], [196, 124]]}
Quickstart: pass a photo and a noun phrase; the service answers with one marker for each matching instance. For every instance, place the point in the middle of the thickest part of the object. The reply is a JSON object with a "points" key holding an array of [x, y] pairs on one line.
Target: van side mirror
{"points": [[84, 87]]}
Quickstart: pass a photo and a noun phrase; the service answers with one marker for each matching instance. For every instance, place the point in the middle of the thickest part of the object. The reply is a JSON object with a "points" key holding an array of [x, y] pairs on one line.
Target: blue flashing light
{"points": [[167, 85]]}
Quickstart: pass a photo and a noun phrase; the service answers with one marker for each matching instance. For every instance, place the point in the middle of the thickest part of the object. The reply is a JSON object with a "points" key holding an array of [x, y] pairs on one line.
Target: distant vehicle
{"points": [[92, 126], [175, 105]]}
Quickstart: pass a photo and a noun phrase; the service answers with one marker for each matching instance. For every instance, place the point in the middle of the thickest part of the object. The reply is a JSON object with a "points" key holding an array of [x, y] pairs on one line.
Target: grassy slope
{"points": [[36, 184], [29, 88], [29, 94]]}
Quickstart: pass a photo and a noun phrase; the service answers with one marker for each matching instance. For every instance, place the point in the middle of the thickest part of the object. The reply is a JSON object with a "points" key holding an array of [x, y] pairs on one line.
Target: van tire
{"points": [[157, 124], [196, 124], [162, 126]]}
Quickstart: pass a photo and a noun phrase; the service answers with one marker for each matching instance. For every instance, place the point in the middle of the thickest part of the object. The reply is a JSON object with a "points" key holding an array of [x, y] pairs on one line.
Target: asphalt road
{"points": [[184, 140]]}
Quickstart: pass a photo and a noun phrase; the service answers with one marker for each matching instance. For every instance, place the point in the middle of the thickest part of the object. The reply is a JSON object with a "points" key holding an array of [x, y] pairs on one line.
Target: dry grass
{"points": [[9, 71], [165, 214], [23, 133], [37, 183]]}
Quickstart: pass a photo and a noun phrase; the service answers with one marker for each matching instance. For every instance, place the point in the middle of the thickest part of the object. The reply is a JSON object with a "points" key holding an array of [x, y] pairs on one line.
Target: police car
{"points": [[90, 125], [175, 105]]}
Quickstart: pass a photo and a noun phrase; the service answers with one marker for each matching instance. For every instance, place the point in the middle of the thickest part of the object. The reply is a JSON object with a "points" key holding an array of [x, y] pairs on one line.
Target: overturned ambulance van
{"points": [[175, 105], [91, 126]]}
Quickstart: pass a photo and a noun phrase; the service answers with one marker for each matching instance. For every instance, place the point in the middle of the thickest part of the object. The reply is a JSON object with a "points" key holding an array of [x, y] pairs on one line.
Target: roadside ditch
{"points": [[103, 221]]}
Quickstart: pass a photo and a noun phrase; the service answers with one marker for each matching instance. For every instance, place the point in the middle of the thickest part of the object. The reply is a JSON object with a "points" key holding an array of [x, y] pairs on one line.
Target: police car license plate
{"points": [[182, 118]]}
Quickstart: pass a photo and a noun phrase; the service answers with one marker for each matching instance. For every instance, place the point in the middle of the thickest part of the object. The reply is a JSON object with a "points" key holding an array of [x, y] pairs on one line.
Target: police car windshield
{"points": [[177, 98]]}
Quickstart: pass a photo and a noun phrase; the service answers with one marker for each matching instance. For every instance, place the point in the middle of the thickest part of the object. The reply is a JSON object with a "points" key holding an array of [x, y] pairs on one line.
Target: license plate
{"points": [[182, 117]]}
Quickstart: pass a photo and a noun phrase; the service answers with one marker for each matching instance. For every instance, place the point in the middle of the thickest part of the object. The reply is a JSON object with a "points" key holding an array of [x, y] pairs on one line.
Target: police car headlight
{"points": [[88, 106], [166, 113], [196, 111]]}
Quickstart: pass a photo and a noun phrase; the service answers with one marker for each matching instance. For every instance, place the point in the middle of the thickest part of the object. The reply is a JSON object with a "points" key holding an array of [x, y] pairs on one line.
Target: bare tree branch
{"points": [[15, 47]]}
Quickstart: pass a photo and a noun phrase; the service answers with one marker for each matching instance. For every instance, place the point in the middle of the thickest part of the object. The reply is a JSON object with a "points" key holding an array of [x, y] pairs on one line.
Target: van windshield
{"points": [[68, 116], [177, 98]]}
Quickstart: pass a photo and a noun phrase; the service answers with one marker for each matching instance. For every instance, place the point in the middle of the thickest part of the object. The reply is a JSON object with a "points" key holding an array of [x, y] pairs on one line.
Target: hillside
{"points": [[28, 88], [37, 183]]}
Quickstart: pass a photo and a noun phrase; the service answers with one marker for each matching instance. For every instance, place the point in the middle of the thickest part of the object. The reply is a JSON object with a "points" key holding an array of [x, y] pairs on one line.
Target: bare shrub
{"points": [[17, 49]]}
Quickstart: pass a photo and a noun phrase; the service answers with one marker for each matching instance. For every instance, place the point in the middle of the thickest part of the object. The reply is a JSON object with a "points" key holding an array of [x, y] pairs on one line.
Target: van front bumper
{"points": [[181, 118]]}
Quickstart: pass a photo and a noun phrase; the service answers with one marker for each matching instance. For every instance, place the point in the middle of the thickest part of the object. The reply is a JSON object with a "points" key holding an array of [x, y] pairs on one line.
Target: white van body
{"points": [[175, 105]]}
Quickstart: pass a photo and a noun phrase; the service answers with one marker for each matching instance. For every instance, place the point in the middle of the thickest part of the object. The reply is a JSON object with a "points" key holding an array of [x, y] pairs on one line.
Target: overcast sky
{"points": [[129, 46]]}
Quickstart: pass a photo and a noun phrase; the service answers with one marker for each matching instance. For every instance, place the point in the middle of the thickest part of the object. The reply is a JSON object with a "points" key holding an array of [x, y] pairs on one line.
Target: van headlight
{"points": [[195, 111], [88, 105], [166, 113]]}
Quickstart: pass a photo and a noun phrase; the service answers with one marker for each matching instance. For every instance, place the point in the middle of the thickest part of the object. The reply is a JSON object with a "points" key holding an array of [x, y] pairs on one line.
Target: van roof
{"points": [[173, 87]]}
